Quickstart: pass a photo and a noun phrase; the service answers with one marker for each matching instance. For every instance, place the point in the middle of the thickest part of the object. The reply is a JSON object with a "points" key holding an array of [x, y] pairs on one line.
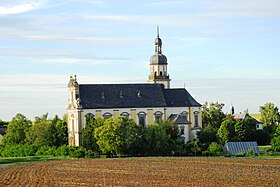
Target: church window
{"points": [[182, 130], [107, 115], [158, 116], [89, 118], [125, 114], [142, 118], [196, 119]]}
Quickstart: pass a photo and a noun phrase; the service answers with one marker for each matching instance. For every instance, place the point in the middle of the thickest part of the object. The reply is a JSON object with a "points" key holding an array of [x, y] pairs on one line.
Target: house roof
{"points": [[3, 130], [243, 116], [99, 96], [179, 97], [179, 119]]}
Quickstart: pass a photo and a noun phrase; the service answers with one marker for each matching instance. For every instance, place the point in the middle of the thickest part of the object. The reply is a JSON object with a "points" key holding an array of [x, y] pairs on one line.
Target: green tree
{"points": [[117, 136], [226, 131], [212, 114], [156, 140], [270, 117], [215, 149], [208, 135], [42, 132], [61, 131], [245, 129], [193, 147], [275, 142], [17, 129], [88, 139]]}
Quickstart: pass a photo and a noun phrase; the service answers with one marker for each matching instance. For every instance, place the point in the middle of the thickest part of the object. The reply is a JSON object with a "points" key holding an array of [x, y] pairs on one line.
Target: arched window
{"points": [[125, 114], [107, 115], [89, 118], [182, 130], [142, 118], [160, 73], [196, 119], [158, 115], [185, 114]]}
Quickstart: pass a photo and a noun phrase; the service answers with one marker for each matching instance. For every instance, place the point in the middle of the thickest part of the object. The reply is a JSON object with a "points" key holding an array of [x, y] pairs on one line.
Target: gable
{"points": [[179, 97]]}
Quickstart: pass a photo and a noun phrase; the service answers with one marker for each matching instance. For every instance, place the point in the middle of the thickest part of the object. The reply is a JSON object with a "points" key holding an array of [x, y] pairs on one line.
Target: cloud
{"points": [[19, 6]]}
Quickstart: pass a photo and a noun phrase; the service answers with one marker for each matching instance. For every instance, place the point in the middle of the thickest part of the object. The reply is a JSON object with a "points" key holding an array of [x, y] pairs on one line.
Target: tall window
{"points": [[158, 116], [182, 130], [125, 114], [89, 118], [142, 118], [107, 115], [196, 119]]}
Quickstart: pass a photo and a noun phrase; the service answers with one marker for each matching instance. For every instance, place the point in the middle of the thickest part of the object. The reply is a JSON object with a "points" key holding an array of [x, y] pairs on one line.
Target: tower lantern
{"points": [[158, 65]]}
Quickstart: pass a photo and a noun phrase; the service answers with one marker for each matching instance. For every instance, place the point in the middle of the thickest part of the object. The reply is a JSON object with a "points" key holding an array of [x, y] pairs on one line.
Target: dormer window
{"points": [[107, 115], [139, 94], [125, 114], [121, 94]]}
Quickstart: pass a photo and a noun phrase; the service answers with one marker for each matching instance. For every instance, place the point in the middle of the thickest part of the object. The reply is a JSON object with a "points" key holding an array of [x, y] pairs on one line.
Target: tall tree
{"points": [[42, 132], [88, 139], [226, 132], [61, 131], [275, 142], [117, 136], [212, 114], [270, 117], [17, 130], [208, 135], [245, 129]]}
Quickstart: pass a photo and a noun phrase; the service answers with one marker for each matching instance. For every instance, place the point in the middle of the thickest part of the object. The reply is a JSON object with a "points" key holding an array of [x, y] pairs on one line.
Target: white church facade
{"points": [[144, 103]]}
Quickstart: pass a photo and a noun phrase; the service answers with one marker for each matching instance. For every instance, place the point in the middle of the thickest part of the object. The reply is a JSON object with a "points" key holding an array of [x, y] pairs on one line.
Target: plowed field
{"points": [[145, 172]]}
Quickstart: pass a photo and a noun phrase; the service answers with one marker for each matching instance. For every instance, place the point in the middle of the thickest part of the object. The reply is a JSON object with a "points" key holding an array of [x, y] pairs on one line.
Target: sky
{"points": [[226, 51]]}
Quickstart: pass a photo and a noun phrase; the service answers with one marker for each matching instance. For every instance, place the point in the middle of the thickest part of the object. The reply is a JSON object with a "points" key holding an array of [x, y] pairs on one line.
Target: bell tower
{"points": [[158, 65], [74, 113]]}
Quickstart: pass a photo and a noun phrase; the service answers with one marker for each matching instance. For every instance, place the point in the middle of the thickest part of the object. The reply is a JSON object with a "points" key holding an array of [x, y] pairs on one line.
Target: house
{"points": [[3, 131], [241, 116], [145, 103]]}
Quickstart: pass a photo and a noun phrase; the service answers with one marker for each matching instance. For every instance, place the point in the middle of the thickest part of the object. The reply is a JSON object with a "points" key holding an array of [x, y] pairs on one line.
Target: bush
{"points": [[241, 154], [62, 151], [46, 151], [77, 152], [20, 150], [215, 149]]}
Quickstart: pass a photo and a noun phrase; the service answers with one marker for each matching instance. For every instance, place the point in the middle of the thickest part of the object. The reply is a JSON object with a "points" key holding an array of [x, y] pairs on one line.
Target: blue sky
{"points": [[226, 51]]}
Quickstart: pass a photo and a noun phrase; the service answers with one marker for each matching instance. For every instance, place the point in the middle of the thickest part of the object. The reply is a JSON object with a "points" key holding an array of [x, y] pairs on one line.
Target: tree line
{"points": [[123, 137], [221, 128]]}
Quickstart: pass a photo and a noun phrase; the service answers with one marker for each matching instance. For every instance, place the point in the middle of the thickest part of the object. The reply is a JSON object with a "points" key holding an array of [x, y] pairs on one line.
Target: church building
{"points": [[145, 103]]}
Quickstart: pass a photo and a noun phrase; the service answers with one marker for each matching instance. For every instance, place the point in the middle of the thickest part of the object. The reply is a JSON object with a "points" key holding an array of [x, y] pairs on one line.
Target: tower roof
{"points": [[158, 57]]}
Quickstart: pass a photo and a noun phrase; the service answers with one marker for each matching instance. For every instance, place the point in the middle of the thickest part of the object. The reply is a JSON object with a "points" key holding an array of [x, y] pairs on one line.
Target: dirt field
{"points": [[145, 172]]}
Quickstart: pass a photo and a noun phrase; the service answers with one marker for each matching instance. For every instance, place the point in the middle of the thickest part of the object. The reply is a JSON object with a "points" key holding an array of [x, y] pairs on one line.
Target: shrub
{"points": [[241, 154], [62, 151], [215, 149]]}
